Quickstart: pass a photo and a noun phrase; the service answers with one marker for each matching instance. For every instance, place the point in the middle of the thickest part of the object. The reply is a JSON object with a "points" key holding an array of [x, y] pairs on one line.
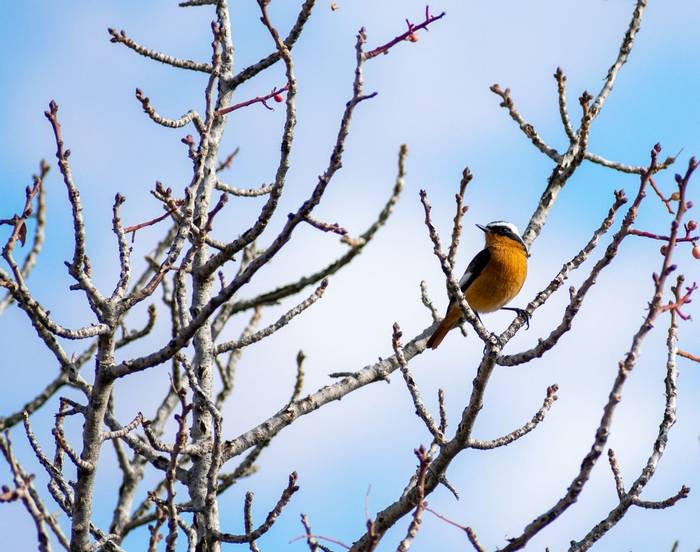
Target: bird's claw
{"points": [[522, 313]]}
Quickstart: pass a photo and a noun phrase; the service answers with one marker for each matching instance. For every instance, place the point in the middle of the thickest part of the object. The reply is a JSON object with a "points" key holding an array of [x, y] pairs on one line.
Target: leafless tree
{"points": [[188, 269]]}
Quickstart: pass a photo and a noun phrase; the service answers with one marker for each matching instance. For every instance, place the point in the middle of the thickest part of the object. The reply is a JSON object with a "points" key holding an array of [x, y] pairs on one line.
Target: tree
{"points": [[198, 273]]}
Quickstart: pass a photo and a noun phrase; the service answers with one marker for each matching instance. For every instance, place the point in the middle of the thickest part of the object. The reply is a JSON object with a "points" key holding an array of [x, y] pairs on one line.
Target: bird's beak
{"points": [[481, 227]]}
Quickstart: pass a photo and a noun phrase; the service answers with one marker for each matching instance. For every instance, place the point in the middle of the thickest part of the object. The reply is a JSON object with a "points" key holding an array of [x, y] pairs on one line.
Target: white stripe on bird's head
{"points": [[505, 228]]}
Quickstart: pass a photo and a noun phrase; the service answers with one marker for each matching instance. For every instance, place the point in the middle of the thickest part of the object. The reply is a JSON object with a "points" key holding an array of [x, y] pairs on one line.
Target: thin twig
{"points": [[459, 214], [120, 37], [521, 431], [409, 34], [272, 516], [527, 128], [275, 94], [421, 411]]}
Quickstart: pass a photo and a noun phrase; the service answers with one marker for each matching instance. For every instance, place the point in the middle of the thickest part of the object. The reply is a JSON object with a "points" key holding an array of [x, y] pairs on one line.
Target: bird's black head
{"points": [[505, 229]]}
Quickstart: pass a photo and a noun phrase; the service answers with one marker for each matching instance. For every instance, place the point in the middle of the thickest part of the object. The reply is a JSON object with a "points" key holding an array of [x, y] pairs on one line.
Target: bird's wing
{"points": [[475, 267]]}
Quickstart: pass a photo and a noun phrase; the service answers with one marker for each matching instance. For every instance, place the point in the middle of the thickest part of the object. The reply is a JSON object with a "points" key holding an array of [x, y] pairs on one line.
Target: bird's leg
{"points": [[522, 313]]}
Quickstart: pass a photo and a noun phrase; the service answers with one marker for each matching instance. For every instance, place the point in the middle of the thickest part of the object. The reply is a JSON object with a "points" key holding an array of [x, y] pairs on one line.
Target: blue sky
{"points": [[433, 95]]}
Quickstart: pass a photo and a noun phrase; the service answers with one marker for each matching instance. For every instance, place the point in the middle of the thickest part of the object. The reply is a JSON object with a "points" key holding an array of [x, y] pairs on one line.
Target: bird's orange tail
{"points": [[439, 334]]}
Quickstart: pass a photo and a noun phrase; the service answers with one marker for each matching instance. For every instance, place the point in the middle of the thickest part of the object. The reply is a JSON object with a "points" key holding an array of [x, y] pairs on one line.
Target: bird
{"points": [[492, 279]]}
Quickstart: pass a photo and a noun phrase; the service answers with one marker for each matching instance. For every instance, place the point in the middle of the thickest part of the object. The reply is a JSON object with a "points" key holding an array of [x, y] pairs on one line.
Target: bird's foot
{"points": [[522, 313]]}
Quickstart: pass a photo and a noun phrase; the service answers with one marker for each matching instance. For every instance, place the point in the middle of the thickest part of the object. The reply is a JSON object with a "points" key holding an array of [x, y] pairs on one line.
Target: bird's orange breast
{"points": [[501, 279]]}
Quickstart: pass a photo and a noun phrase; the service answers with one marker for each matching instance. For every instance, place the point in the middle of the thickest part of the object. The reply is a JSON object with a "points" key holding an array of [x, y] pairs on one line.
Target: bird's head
{"points": [[503, 233]]}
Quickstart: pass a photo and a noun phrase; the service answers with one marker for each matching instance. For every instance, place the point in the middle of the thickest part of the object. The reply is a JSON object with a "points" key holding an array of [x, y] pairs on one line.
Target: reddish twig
{"points": [[471, 535], [409, 34], [276, 94], [188, 140], [664, 200], [651, 235], [132, 229], [219, 205], [312, 536], [680, 301], [18, 221], [689, 356]]}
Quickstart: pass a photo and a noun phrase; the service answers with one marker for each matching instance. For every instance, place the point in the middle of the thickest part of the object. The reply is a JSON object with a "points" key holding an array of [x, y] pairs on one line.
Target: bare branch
{"points": [[414, 526], [471, 535], [38, 191], [631, 497], [275, 94], [227, 372], [568, 267], [628, 169], [427, 302], [299, 380], [459, 214], [282, 168], [314, 545], [40, 315], [189, 117], [335, 228], [249, 72], [191, 3], [65, 494], [521, 431], [244, 192], [119, 37], [563, 109], [617, 474], [269, 520], [689, 356], [453, 287], [137, 421], [24, 492], [281, 292], [625, 367], [421, 411], [226, 163], [82, 464], [527, 128], [124, 250], [572, 158], [248, 519], [660, 505], [409, 34], [36, 403], [576, 300], [623, 54], [272, 328], [79, 268]]}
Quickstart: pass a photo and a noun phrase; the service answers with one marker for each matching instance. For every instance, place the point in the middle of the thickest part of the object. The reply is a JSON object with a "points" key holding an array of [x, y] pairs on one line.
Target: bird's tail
{"points": [[440, 333]]}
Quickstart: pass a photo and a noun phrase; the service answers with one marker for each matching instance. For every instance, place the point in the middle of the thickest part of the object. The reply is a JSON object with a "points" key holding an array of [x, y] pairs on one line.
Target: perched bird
{"points": [[492, 279]]}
